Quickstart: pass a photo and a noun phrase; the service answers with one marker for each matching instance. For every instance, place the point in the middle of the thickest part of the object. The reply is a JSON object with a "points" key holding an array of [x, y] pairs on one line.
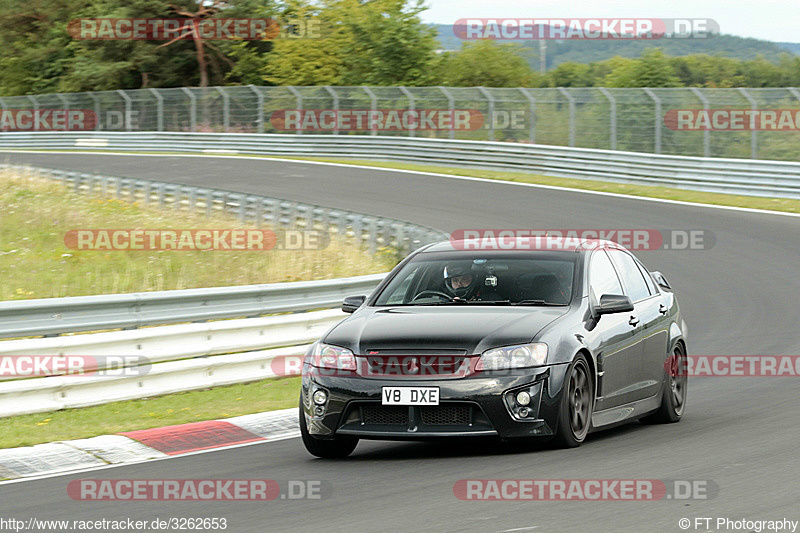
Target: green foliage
{"points": [[487, 64]]}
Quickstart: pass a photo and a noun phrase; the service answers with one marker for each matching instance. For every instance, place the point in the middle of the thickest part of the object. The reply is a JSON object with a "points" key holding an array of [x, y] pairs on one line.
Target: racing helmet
{"points": [[465, 277]]}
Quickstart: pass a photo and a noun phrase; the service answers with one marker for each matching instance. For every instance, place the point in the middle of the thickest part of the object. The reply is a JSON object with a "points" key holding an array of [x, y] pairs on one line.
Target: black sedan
{"points": [[516, 343]]}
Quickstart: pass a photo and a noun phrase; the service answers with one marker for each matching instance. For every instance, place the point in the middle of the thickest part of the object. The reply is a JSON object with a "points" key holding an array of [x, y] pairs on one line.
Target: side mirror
{"points": [[614, 303], [351, 303], [661, 280]]}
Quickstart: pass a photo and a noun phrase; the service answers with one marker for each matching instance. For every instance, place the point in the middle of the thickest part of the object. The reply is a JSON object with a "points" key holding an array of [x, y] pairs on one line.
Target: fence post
{"points": [[658, 117], [159, 109], [260, 113], [335, 106], [96, 100], [532, 102], [753, 138], [706, 133], [410, 97], [373, 106], [613, 125], [490, 98], [299, 97], [63, 101], [128, 109], [193, 108], [451, 104], [571, 101], [226, 109]]}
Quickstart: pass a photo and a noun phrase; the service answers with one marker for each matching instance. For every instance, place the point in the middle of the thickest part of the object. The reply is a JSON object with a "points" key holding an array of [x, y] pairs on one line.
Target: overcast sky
{"points": [[771, 20]]}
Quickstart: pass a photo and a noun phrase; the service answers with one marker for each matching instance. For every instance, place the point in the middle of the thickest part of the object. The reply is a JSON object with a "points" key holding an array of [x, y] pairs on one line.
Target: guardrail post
{"points": [[490, 99], [159, 109], [613, 114], [128, 109], [411, 107], [373, 106], [192, 108], [571, 101], [260, 113], [658, 119], [451, 105], [532, 104], [706, 133], [296, 93], [226, 109], [753, 138], [335, 107]]}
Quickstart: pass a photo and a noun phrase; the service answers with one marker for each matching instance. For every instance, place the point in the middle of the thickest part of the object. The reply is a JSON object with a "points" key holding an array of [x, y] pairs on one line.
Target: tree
{"points": [[488, 64], [653, 69]]}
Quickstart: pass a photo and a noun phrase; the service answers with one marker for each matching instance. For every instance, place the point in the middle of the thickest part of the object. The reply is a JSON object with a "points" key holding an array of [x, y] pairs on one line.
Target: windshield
{"points": [[437, 279]]}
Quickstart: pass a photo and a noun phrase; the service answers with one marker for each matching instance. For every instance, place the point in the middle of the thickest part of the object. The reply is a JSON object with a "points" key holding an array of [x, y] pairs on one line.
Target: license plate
{"points": [[410, 396]]}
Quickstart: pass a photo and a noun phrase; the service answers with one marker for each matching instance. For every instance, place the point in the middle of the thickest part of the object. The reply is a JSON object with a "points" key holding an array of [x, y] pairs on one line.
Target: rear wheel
{"points": [[577, 404], [673, 399], [327, 449]]}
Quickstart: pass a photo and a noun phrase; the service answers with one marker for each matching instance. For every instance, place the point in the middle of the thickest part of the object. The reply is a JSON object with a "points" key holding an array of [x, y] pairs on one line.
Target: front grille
{"points": [[445, 415], [384, 414], [414, 365]]}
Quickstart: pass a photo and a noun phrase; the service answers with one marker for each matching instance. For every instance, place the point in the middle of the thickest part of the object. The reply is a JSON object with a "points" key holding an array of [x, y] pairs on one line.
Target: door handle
{"points": [[663, 309], [634, 320]]}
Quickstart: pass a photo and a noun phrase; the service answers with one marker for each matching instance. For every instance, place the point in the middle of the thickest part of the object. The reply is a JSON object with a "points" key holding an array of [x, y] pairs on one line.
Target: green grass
{"points": [[180, 408], [35, 262]]}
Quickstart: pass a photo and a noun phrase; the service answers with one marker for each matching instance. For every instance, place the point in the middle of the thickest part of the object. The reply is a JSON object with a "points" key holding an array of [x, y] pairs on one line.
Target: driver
{"points": [[466, 284]]}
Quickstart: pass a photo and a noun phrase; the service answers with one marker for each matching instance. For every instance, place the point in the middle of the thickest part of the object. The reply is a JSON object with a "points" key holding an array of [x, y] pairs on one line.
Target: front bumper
{"points": [[480, 405]]}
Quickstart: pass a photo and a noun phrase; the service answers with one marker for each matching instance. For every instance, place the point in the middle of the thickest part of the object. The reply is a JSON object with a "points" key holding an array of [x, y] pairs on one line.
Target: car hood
{"points": [[427, 330]]}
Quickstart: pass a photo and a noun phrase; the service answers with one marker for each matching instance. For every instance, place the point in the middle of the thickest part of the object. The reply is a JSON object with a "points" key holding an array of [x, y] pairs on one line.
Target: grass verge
{"points": [[35, 261], [180, 408]]}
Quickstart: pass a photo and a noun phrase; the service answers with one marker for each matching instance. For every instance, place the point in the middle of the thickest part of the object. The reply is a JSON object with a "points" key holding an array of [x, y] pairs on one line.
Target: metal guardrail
{"points": [[589, 117], [734, 176], [53, 316]]}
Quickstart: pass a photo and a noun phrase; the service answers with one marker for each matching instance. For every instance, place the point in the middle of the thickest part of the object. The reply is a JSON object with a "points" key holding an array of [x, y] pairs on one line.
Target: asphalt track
{"points": [[739, 297]]}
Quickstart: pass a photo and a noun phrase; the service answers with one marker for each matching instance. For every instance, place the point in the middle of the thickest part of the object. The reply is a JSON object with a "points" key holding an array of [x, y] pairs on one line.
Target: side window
{"points": [[632, 278], [602, 277], [648, 278]]}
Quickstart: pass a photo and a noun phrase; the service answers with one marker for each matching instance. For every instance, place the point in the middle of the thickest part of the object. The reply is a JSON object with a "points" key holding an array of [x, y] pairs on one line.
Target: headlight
{"points": [[333, 357], [521, 356]]}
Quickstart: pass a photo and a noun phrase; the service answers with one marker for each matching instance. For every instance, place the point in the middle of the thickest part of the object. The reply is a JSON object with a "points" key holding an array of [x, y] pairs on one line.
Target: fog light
{"points": [[319, 410], [320, 397], [524, 412], [523, 398]]}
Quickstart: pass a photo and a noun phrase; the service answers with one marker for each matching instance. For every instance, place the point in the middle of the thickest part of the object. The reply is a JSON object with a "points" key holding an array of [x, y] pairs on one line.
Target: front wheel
{"points": [[577, 404], [327, 449], [673, 399]]}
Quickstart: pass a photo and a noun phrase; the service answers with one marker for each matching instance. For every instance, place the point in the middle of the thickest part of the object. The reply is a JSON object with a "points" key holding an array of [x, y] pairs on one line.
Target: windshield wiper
{"points": [[536, 302]]}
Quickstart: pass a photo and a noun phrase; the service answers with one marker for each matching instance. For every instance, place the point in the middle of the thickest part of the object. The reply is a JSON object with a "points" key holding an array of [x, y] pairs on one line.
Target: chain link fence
{"points": [[600, 118]]}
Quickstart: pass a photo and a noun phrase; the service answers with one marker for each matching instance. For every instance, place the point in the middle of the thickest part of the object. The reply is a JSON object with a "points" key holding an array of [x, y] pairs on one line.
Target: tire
{"points": [[576, 406], [673, 397], [327, 449]]}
